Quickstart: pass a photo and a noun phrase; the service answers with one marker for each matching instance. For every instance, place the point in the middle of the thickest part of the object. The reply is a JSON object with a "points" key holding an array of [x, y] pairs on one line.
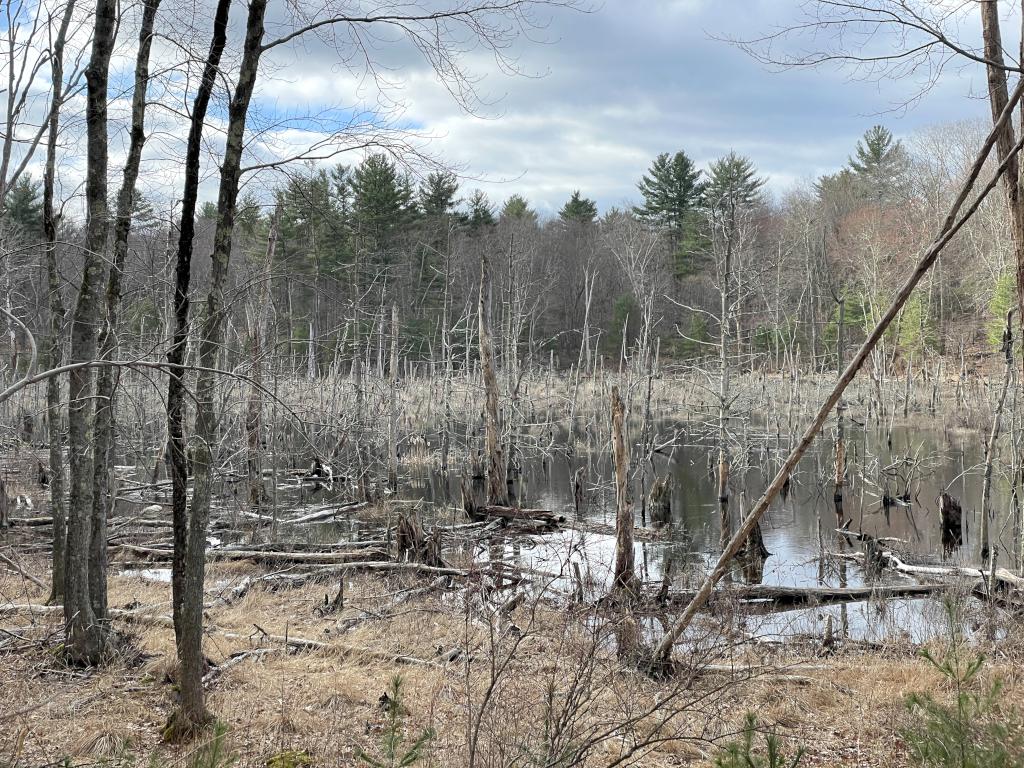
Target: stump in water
{"points": [[415, 545], [578, 491], [951, 522], [661, 501], [753, 556]]}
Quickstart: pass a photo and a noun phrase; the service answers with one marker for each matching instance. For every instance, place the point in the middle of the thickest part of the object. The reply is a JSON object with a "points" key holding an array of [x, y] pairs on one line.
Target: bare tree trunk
{"points": [[393, 404], [106, 377], [182, 577], [624, 574], [998, 99], [723, 395], [192, 711], [951, 225], [993, 437], [86, 631], [55, 435], [837, 497], [449, 368], [254, 407], [179, 345], [497, 488]]}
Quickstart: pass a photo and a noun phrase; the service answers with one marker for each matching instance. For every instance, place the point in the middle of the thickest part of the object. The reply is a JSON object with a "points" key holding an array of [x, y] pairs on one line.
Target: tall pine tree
{"points": [[672, 190], [880, 164], [578, 209]]}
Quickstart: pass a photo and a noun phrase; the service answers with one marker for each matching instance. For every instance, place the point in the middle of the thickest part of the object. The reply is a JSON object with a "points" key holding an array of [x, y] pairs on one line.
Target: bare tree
{"points": [[87, 629]]}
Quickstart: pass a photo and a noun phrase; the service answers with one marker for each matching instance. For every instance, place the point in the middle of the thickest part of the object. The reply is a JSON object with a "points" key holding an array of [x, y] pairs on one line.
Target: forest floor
{"points": [[526, 685]]}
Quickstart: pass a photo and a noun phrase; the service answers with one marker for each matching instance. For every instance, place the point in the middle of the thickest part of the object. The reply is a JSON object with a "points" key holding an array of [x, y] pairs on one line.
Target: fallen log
{"points": [[325, 513], [314, 558], [1003, 577], [548, 518], [771, 597]]}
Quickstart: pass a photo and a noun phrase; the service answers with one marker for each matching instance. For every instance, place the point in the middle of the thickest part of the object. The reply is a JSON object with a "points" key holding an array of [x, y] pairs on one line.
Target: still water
{"points": [[911, 464]]}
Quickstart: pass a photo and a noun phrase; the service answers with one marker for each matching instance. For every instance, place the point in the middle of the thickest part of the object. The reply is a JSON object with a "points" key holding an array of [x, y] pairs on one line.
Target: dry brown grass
{"points": [[847, 709]]}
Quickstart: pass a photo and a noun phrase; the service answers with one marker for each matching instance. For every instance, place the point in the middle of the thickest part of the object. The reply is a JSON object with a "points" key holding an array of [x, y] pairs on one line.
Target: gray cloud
{"points": [[632, 79]]}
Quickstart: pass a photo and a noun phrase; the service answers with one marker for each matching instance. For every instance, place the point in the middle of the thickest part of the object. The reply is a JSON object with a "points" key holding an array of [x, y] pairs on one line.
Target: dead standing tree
{"points": [[624, 574], [497, 485]]}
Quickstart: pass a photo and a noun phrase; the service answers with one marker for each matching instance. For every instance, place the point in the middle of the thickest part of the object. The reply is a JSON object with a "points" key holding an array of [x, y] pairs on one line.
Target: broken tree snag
{"points": [[624, 575], [415, 544], [497, 487], [661, 501], [951, 522], [256, 316]]}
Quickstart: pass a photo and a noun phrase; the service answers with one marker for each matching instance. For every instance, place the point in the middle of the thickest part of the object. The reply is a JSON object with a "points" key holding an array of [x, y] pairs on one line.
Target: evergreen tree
{"points": [[24, 207], [310, 227], [733, 183], [437, 194], [517, 207], [671, 190], [879, 163], [480, 213], [143, 214], [382, 203], [578, 209]]}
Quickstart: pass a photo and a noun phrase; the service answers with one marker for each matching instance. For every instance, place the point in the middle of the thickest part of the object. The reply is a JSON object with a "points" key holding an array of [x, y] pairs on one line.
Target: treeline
{"points": [[702, 247]]}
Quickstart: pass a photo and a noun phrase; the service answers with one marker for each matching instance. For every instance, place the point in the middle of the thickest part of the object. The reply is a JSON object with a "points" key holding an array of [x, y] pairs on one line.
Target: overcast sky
{"points": [[615, 87], [599, 96]]}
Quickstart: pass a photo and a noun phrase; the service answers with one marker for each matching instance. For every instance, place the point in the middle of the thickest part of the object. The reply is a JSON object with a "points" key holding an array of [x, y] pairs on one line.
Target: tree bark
{"points": [[86, 631], [107, 375], [179, 343], [497, 487], [55, 434], [192, 711], [624, 575], [998, 98]]}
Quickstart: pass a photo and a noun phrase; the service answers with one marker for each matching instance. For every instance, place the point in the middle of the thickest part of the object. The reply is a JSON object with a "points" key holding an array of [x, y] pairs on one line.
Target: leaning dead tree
{"points": [[953, 222]]}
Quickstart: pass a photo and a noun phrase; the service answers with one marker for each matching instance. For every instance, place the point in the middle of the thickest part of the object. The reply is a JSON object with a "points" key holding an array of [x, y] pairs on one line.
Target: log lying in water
{"points": [[1002, 578], [477, 509], [546, 519], [773, 598]]}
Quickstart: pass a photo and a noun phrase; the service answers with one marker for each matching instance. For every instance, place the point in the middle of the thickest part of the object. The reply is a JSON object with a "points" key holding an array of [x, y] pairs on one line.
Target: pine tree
{"points": [[480, 213], [671, 190], [733, 183], [382, 203], [309, 224], [437, 194], [518, 207], [24, 207], [880, 163], [578, 209]]}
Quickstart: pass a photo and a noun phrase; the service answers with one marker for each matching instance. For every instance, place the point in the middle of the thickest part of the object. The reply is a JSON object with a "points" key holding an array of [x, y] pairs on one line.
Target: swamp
{"points": [[313, 454]]}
